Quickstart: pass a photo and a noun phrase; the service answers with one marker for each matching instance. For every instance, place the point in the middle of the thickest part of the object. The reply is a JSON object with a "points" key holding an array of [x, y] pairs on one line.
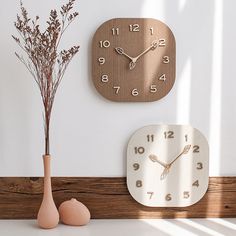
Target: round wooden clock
{"points": [[133, 60], [167, 165]]}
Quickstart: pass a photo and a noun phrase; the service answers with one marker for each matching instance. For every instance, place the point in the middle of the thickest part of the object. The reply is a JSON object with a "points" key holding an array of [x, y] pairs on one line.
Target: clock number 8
{"points": [[139, 183], [104, 78]]}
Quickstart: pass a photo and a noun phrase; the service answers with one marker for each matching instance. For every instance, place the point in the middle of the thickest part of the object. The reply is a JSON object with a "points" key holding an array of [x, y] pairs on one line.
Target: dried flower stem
{"points": [[44, 62]]}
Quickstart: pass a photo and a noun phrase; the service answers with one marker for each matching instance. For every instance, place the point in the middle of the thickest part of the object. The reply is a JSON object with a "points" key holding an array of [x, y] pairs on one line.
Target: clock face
{"points": [[167, 165], [133, 60]]}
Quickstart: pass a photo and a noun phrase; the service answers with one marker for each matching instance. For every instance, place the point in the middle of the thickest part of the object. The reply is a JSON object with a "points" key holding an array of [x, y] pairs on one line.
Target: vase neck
{"points": [[47, 175]]}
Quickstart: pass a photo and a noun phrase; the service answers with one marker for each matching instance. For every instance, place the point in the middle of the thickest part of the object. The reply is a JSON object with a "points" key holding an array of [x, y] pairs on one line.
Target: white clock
{"points": [[167, 165]]}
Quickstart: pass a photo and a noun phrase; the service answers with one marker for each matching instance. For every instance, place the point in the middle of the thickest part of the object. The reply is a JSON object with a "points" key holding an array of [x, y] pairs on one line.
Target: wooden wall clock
{"points": [[167, 165], [133, 60]]}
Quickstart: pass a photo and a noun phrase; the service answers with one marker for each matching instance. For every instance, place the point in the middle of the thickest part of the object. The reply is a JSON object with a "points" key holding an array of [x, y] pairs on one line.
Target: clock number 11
{"points": [[150, 138]]}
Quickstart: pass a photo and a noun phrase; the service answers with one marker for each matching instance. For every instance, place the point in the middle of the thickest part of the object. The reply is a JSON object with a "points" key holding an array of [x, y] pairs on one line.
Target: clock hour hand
{"points": [[154, 158], [120, 51]]}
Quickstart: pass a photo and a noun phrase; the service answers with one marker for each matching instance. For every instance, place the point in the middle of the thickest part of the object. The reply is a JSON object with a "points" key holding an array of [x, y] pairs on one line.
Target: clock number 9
{"points": [[104, 78], [136, 166], [104, 44], [134, 92], [101, 60]]}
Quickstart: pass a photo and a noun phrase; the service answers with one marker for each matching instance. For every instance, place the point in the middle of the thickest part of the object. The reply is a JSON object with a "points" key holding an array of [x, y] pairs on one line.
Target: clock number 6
{"points": [[134, 92]]}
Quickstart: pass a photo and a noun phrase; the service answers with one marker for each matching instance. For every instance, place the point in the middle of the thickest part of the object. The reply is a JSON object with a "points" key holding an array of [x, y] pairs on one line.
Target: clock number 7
{"points": [[117, 89], [150, 194]]}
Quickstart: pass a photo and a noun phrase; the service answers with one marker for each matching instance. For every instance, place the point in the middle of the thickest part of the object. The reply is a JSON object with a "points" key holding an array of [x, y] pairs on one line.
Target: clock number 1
{"points": [[152, 30]]}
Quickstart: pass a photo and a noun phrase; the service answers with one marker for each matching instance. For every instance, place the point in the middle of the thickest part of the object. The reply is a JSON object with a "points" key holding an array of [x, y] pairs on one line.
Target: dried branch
{"points": [[44, 62]]}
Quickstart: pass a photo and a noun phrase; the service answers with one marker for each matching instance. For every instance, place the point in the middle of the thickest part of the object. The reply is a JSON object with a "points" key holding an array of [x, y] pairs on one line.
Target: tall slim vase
{"points": [[48, 216]]}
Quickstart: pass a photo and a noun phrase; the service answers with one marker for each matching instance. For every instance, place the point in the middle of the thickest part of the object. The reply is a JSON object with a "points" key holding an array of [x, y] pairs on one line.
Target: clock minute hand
{"points": [[152, 47], [185, 151]]}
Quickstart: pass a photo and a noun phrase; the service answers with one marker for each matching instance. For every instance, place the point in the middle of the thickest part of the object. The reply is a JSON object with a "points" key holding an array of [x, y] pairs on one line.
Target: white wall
{"points": [[90, 134]]}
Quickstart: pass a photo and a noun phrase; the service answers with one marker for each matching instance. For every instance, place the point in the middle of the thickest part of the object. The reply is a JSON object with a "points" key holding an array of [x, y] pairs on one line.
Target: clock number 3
{"points": [[166, 60]]}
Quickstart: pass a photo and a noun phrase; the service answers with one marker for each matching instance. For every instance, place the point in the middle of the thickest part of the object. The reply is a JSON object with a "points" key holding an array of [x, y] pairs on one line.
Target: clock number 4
{"points": [[196, 183], [162, 77], [134, 28]]}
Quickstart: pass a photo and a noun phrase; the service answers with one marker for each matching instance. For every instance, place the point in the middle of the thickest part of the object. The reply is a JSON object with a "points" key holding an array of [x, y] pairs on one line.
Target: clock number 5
{"points": [[153, 88]]}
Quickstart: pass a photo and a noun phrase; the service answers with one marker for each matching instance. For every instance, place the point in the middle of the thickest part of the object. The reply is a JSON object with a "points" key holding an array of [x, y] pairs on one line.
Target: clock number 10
{"points": [[104, 44], [139, 150]]}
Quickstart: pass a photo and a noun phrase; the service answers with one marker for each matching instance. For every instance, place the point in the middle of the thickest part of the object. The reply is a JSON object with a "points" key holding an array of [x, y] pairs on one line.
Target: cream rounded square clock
{"points": [[167, 165]]}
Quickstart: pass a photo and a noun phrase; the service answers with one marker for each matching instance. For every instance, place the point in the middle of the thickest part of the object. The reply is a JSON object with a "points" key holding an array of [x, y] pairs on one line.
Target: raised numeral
{"points": [[152, 30], [162, 43], [168, 197], [134, 28], [115, 31], [150, 138], [150, 194], [186, 195], [134, 92], [104, 44], [117, 89], [196, 183], [104, 78], [139, 183], [166, 59], [186, 138], [162, 77], [139, 150], [136, 166], [199, 166], [101, 60], [169, 134], [196, 148], [153, 88]]}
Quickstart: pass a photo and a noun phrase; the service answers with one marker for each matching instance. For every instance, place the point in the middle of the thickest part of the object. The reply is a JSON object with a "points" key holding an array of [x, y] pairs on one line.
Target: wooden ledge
{"points": [[108, 198]]}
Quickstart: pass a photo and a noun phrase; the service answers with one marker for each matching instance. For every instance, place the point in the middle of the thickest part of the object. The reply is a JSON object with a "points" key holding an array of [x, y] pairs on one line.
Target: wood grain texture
{"points": [[108, 198], [144, 77]]}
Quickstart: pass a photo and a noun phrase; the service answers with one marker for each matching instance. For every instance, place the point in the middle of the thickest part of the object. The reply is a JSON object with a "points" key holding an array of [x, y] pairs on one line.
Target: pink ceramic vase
{"points": [[48, 216]]}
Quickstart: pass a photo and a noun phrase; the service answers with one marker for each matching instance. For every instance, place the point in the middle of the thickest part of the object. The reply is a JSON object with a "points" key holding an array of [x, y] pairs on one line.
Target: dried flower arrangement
{"points": [[44, 62], [47, 64]]}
